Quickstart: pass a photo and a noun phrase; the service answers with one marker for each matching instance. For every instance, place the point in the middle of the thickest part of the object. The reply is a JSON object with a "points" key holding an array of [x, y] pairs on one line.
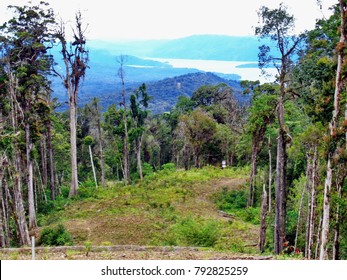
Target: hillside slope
{"points": [[169, 209], [164, 92]]}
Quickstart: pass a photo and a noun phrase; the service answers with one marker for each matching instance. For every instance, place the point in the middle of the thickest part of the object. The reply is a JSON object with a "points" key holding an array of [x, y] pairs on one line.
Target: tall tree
{"points": [[333, 130], [126, 160], [261, 115], [28, 35], [75, 58], [277, 25], [138, 105]]}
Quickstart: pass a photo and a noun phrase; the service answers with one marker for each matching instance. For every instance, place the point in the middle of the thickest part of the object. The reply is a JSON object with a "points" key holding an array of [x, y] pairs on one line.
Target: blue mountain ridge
{"points": [[161, 78]]}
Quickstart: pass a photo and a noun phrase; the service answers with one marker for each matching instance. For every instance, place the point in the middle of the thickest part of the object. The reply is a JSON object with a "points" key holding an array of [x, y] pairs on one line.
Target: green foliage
{"points": [[88, 140], [192, 232], [87, 190], [169, 167], [232, 200], [147, 169], [208, 95], [55, 236]]}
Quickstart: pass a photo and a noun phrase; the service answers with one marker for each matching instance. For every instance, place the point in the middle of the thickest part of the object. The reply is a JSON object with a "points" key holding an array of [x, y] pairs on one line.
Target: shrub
{"points": [[168, 167], [236, 199], [147, 169], [190, 232], [56, 236], [251, 215]]}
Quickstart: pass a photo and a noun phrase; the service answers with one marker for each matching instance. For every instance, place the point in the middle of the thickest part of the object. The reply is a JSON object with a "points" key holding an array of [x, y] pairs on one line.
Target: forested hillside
{"points": [[190, 160]]}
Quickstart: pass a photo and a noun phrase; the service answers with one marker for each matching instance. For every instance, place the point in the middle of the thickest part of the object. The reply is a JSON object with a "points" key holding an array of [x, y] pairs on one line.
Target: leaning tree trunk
{"points": [[93, 167]]}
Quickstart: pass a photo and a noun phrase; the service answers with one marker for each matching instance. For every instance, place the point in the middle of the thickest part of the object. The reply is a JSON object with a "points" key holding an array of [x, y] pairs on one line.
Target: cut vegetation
{"points": [[169, 208]]}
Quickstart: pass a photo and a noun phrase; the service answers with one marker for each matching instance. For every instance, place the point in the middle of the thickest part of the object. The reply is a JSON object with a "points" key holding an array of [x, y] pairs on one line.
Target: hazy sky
{"points": [[161, 19]]}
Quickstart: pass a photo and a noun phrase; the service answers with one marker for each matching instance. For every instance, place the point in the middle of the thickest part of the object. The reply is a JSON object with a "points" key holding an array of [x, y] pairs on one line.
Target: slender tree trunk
{"points": [[30, 179], [73, 144], [93, 167], [23, 232], [43, 151], [51, 161], [309, 170], [262, 237], [138, 156], [7, 213], [299, 217], [326, 211], [126, 167], [252, 175], [196, 157], [312, 205], [336, 248], [18, 207], [101, 153], [2, 210], [316, 254]]}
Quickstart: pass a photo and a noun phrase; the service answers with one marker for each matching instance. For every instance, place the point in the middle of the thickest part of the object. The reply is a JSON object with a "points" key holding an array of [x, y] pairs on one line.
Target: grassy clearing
{"points": [[169, 208]]}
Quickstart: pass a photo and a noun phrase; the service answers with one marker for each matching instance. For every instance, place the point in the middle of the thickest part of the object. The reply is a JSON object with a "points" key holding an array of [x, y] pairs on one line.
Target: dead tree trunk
{"points": [[126, 167], [75, 59]]}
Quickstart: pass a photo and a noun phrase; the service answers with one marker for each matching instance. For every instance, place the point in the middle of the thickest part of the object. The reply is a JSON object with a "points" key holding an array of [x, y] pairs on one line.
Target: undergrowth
{"points": [[156, 203]]}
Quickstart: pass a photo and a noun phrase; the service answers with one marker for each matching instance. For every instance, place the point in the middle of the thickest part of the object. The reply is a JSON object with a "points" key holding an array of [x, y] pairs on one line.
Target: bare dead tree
{"points": [[75, 58]]}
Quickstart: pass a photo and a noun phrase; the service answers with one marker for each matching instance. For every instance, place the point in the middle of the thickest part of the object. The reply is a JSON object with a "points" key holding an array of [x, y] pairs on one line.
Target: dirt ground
{"points": [[123, 253]]}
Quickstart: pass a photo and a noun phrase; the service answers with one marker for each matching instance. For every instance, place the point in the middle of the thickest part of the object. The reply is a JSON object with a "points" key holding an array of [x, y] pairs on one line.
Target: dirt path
{"points": [[202, 202], [198, 203]]}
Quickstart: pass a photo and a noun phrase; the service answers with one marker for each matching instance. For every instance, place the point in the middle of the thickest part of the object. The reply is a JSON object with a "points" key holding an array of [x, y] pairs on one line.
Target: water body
{"points": [[225, 67]]}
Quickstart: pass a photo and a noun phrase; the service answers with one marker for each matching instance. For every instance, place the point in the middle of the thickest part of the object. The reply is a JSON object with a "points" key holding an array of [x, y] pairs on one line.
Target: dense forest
{"points": [[291, 135]]}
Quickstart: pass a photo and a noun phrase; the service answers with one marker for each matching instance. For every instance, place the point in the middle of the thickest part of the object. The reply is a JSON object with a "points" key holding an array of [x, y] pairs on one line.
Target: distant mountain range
{"points": [[204, 47], [161, 78]]}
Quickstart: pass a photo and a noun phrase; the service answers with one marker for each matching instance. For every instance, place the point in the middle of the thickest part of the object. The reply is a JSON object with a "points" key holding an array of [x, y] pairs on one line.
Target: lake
{"points": [[225, 67]]}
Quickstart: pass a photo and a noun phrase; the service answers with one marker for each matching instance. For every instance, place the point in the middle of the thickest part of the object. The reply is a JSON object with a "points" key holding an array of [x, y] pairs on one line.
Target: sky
{"points": [[167, 19]]}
